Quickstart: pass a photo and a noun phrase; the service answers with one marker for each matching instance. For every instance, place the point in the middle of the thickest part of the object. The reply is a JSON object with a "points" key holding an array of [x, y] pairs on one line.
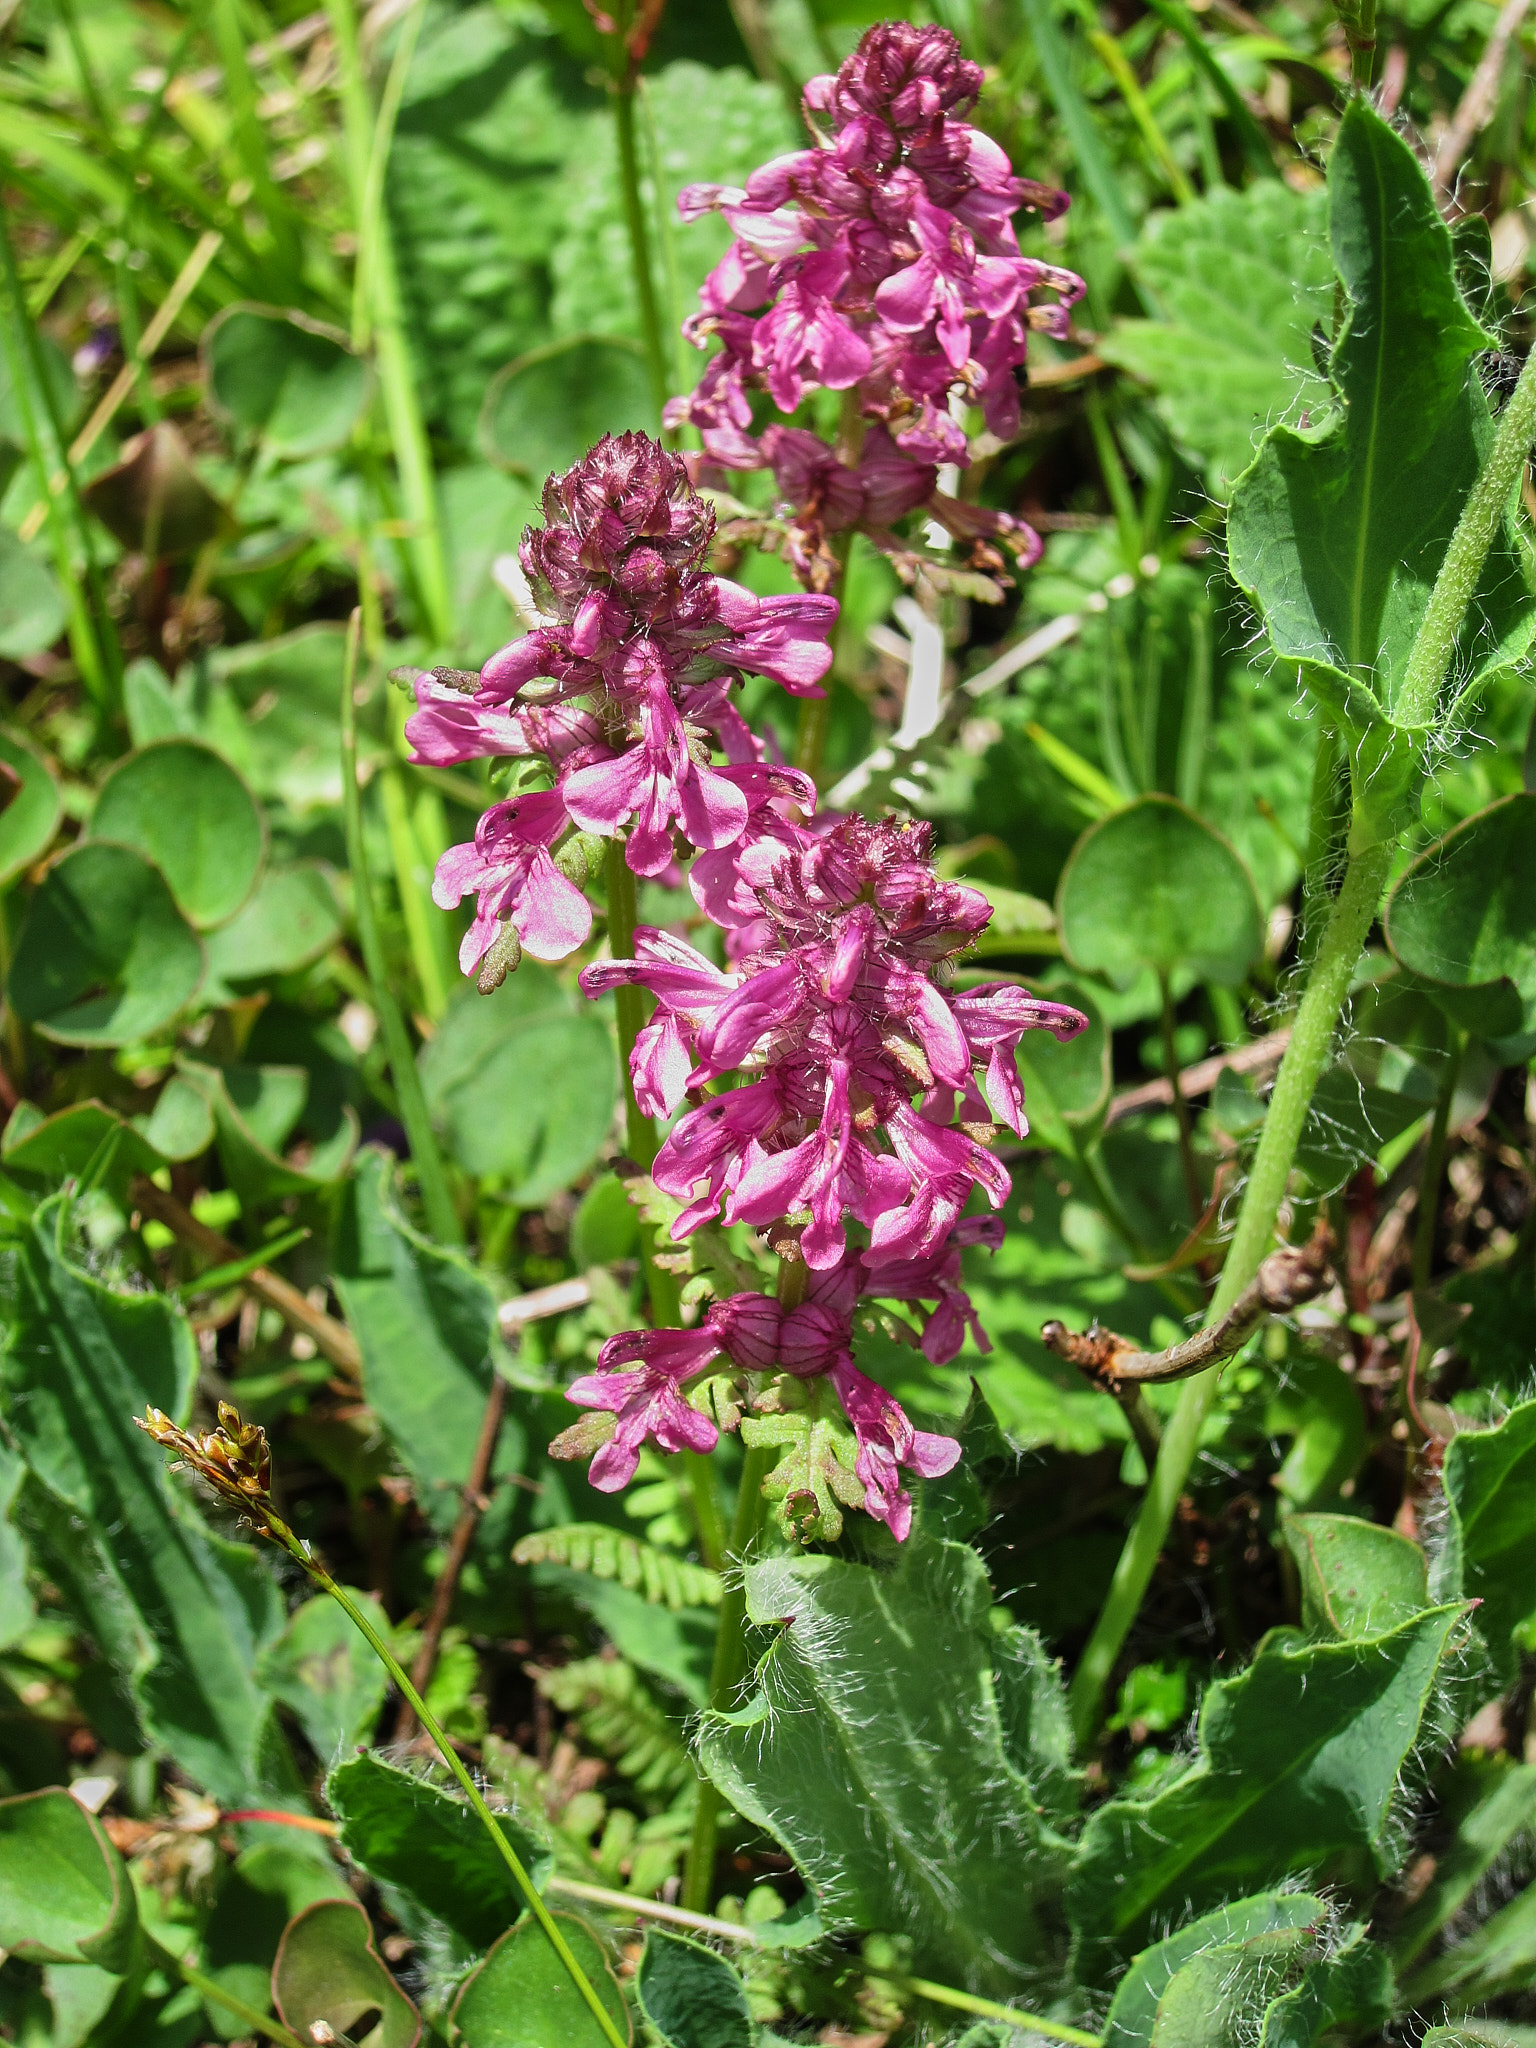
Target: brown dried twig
{"points": [[1287, 1278]]}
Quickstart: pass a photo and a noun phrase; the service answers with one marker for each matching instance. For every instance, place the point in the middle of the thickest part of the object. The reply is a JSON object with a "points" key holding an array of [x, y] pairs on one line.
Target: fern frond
{"points": [[610, 1554], [620, 1717]]}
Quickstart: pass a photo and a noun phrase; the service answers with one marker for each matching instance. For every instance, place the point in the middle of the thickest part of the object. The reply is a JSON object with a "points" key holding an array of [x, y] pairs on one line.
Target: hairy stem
{"points": [[1311, 1038], [726, 1674], [1418, 695], [442, 1217]]}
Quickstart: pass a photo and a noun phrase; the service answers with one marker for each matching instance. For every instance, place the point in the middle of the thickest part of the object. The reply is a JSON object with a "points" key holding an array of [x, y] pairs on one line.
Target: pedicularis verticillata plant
{"points": [[882, 263]]}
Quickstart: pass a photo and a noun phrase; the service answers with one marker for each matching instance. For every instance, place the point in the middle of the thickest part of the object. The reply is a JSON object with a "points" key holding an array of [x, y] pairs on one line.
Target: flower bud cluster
{"points": [[883, 263]]}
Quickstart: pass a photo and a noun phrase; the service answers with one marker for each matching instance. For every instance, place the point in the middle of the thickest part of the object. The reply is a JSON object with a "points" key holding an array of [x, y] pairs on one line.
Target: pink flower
{"points": [[886, 1440], [646, 1403], [508, 865], [884, 260]]}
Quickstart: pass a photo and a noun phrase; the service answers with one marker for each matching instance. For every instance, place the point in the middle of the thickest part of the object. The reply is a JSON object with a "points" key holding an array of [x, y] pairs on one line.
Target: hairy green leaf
{"points": [[896, 1796], [321, 1668], [691, 1996], [1298, 1767], [1490, 1487], [1357, 1579], [1134, 2015], [610, 1554], [429, 1844]]}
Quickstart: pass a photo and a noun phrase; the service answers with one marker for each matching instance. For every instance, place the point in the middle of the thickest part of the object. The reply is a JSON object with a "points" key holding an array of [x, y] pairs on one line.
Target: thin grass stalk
{"points": [[639, 239], [437, 1200], [398, 384], [90, 633], [214, 1993]]}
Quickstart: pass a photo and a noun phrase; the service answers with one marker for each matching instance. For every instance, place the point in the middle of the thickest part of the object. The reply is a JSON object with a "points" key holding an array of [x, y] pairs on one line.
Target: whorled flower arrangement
{"points": [[841, 1099]]}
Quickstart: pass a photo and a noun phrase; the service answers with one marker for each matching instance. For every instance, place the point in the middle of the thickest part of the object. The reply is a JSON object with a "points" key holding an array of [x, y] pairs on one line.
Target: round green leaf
{"points": [[544, 411], [32, 609], [605, 1226], [522, 1995], [186, 809], [64, 1895], [105, 956], [1154, 886], [30, 819], [1463, 916], [290, 921], [522, 1084], [328, 1970], [283, 377], [1066, 1083]]}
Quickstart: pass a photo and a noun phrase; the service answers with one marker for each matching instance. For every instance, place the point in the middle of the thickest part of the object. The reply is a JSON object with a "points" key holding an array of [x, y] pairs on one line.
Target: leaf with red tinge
{"points": [[328, 1971]]}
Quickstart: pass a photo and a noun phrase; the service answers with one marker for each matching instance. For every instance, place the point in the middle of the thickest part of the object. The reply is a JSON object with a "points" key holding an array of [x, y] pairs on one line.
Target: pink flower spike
{"points": [[886, 1440], [648, 1402], [509, 867]]}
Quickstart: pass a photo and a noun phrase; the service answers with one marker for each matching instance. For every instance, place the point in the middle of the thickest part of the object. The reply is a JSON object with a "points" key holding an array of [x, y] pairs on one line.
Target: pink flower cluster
{"points": [[858, 1100], [883, 262], [622, 693]]}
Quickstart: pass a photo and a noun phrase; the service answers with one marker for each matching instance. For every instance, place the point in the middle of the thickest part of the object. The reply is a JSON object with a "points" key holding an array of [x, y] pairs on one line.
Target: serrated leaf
{"points": [[1298, 1766], [429, 1844], [610, 1554], [691, 1996], [1338, 530], [1489, 1477], [1134, 2014], [896, 1795], [180, 1613], [1242, 277], [1357, 1578]]}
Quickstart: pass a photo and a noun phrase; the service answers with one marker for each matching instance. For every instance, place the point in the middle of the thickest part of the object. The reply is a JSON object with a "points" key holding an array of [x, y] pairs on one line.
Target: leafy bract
{"points": [[184, 808], [1463, 918], [523, 1996], [430, 1845], [1490, 1487], [283, 378], [1240, 277], [328, 1971], [1298, 1766], [105, 956], [180, 1613], [521, 1084], [1154, 886], [897, 1796], [1135, 2013], [64, 1894], [1338, 529], [1357, 1578], [691, 1996]]}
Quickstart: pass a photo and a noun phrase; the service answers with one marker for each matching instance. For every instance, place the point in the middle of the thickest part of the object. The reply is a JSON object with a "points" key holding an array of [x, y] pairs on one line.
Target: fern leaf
{"points": [[620, 1717], [610, 1554]]}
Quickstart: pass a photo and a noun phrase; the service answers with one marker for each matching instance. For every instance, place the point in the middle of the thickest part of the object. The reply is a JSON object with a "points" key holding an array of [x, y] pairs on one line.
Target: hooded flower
{"points": [[838, 1023], [623, 689], [884, 260]]}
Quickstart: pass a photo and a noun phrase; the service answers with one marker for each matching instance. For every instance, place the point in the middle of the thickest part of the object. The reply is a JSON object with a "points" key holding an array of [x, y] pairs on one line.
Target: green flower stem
{"points": [[1418, 697], [212, 1993], [450, 1756], [725, 1676], [1311, 1038], [442, 1217], [989, 2009], [376, 316], [1434, 1165], [639, 236]]}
